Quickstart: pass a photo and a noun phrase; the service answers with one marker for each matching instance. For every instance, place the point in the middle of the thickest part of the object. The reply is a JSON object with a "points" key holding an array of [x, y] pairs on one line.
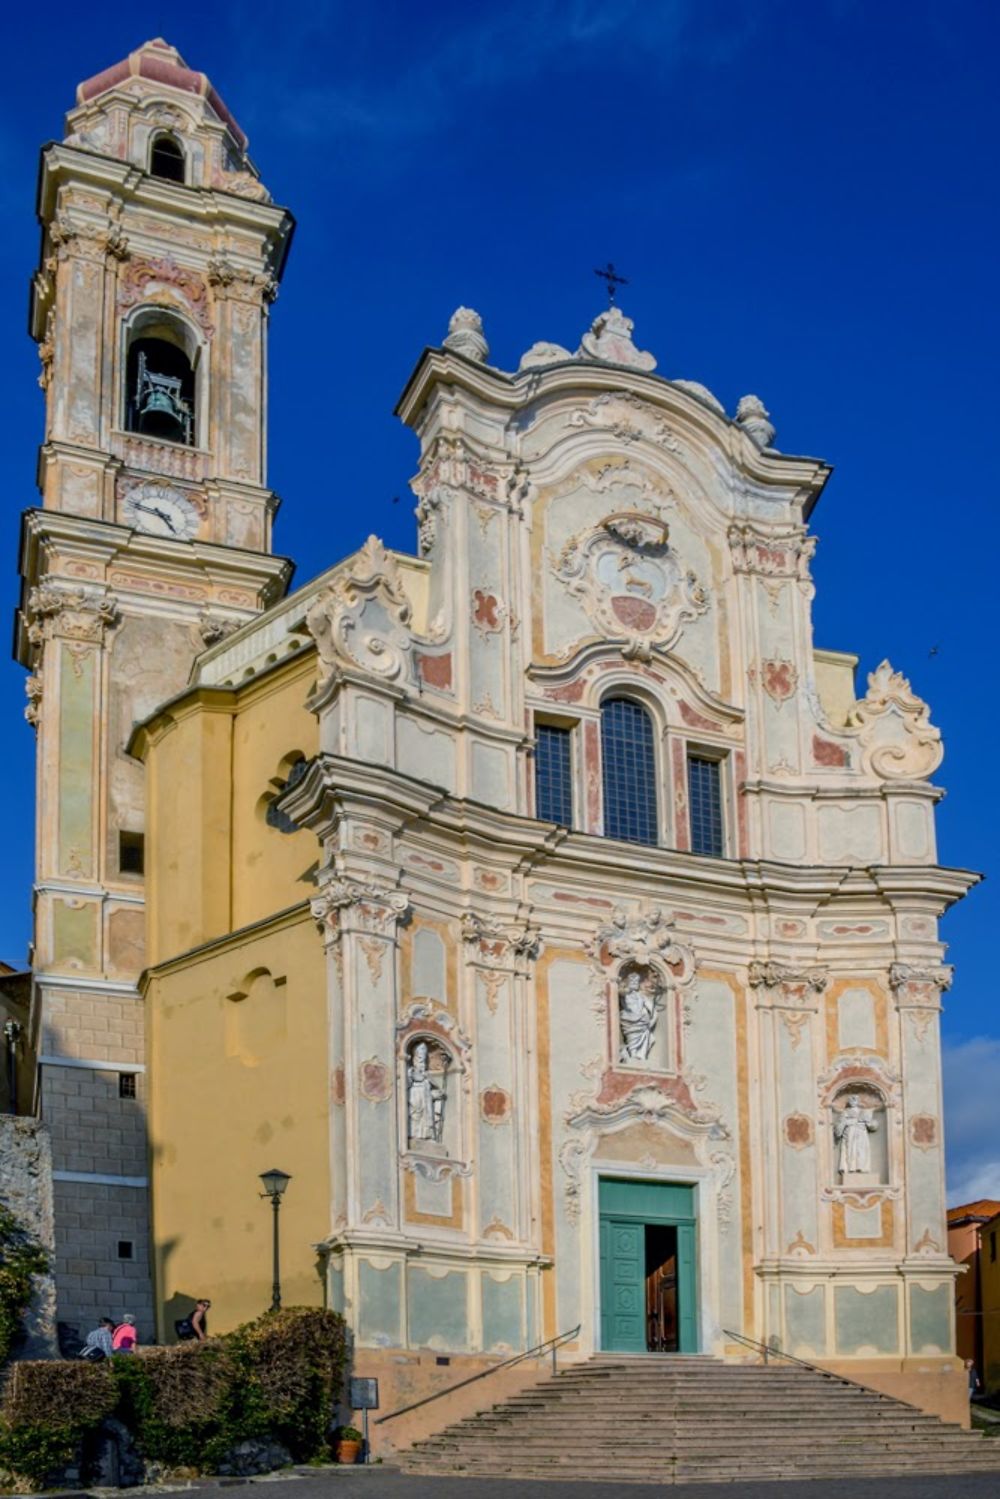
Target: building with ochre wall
{"points": [[545, 903], [965, 1232]]}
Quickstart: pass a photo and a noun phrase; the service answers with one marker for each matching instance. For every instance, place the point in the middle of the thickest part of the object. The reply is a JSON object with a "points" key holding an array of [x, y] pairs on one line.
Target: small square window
{"points": [[131, 852], [127, 1085], [126, 1249]]}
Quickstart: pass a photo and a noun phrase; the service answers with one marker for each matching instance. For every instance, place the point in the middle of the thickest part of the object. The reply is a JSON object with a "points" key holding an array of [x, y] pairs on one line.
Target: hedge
{"points": [[277, 1378]]}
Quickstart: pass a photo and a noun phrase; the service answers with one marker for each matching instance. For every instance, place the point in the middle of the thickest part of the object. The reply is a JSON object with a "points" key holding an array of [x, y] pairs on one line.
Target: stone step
{"points": [[664, 1419]]}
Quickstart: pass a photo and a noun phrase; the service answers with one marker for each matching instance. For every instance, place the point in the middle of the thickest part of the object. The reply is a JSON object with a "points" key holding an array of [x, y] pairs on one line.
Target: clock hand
{"points": [[165, 517]]}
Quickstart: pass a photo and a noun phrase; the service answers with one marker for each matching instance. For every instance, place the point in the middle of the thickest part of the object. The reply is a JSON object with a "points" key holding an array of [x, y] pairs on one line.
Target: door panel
{"points": [[687, 1290], [623, 1304]]}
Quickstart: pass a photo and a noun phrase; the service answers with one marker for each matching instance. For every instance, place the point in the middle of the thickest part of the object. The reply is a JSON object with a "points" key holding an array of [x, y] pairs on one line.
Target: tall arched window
{"points": [[629, 761], [166, 159], [160, 381]]}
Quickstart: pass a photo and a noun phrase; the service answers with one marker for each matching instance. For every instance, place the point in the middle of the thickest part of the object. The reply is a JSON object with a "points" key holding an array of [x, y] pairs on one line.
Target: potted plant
{"points": [[349, 1441]]}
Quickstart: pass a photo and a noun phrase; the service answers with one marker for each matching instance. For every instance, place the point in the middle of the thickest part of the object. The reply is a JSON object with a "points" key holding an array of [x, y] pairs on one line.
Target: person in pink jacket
{"points": [[124, 1339]]}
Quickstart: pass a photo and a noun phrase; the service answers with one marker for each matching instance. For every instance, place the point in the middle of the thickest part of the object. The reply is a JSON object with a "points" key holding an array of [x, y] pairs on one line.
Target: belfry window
{"points": [[628, 758], [166, 159], [160, 385]]}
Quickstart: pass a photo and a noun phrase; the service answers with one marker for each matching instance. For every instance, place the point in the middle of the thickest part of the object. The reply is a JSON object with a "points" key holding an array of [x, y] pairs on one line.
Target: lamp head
{"points": [[275, 1182]]}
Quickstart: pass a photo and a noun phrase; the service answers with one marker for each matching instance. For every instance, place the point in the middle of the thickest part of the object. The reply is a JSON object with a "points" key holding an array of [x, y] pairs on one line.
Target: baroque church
{"points": [[544, 903]]}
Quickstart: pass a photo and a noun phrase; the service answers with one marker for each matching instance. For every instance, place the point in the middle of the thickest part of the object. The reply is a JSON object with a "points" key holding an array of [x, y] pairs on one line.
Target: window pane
{"points": [[705, 805], [629, 762], [553, 775]]}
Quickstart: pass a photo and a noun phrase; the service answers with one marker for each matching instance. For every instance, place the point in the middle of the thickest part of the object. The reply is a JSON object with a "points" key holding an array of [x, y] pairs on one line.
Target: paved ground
{"points": [[373, 1484]]}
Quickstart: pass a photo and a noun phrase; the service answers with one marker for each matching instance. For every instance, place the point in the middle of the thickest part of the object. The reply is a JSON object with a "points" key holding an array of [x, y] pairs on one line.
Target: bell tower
{"points": [[160, 259]]}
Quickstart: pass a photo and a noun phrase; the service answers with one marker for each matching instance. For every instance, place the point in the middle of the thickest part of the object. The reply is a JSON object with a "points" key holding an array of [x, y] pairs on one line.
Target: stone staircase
{"points": [[668, 1419]]}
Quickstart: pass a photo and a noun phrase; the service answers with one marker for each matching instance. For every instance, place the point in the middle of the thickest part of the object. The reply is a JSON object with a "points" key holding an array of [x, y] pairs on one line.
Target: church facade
{"points": [[545, 903]]}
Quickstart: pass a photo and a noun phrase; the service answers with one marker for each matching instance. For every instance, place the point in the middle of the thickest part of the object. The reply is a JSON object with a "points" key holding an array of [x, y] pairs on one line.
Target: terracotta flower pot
{"points": [[348, 1452]]}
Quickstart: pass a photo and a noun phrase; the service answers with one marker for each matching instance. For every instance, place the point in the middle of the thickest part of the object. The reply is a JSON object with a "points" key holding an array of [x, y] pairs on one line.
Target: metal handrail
{"points": [[771, 1352], [550, 1345]]}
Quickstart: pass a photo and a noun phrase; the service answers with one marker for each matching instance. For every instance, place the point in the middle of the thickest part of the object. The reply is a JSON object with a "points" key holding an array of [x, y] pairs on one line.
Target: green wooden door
{"points": [[623, 1285], [626, 1207]]}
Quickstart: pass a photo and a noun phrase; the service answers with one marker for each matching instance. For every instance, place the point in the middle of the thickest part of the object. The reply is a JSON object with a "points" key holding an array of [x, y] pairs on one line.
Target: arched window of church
{"points": [[166, 159], [628, 757], [160, 380]]}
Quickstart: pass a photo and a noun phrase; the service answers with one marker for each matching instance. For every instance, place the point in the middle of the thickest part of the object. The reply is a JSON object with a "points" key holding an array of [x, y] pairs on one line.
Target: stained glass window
{"points": [[553, 774], [629, 761], [705, 805]]}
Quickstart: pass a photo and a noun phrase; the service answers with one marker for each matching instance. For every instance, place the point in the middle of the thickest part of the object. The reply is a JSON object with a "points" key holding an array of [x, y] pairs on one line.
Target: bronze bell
{"points": [[161, 410]]}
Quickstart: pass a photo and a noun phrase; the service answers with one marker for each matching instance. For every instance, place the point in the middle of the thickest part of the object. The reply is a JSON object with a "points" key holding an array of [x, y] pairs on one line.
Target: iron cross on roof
{"points": [[611, 276]]}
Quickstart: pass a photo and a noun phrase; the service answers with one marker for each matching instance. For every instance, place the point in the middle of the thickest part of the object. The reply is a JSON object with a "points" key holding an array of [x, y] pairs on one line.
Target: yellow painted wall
{"points": [[238, 1085], [236, 1022], [270, 869], [989, 1270], [212, 759]]}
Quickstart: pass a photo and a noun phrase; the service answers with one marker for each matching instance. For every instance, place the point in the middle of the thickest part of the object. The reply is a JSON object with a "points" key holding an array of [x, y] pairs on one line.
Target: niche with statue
{"points": [[430, 1120], [642, 1029], [860, 1138]]}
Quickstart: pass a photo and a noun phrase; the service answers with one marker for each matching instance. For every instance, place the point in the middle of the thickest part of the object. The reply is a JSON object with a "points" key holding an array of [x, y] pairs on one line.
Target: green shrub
{"points": [[47, 1409], [278, 1377], [20, 1258]]}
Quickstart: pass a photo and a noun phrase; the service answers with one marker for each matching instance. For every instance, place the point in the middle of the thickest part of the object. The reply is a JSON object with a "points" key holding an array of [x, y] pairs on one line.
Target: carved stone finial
{"points": [[541, 354], [753, 416], [610, 342], [897, 737], [465, 335]]}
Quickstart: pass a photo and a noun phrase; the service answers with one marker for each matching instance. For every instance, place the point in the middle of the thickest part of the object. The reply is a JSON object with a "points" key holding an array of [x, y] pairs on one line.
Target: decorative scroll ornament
{"points": [[363, 619], [791, 984], [897, 737], [644, 939], [164, 281], [497, 943], [610, 342], [70, 613], [629, 579], [378, 907], [771, 554], [643, 1105]]}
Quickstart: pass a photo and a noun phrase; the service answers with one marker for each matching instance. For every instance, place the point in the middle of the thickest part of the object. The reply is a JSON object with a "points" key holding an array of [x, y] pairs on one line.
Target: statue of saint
{"points": [[851, 1129], [638, 1008], [424, 1097]]}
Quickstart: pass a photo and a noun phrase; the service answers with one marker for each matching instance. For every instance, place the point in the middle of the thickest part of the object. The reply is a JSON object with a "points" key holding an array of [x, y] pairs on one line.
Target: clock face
{"points": [[161, 511]]}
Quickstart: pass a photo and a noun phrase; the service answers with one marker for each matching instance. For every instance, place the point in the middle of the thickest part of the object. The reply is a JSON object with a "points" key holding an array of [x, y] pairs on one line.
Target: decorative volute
{"points": [[897, 738]]}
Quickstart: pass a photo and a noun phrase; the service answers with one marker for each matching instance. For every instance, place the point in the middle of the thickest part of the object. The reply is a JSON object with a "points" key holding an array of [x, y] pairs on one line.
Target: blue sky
{"points": [[804, 198]]}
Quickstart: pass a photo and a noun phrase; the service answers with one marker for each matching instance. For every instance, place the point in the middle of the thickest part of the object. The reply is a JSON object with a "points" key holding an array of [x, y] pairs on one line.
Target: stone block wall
{"points": [[26, 1189]]}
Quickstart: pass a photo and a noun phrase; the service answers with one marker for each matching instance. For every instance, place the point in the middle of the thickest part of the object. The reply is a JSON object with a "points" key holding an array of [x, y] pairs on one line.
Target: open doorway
{"points": [[661, 1288]]}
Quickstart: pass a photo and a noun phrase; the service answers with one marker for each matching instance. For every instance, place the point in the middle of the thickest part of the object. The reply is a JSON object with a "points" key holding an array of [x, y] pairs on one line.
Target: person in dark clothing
{"points": [[194, 1327]]}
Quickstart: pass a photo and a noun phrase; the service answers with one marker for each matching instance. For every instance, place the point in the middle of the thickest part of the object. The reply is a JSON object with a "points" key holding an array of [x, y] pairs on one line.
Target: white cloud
{"points": [[972, 1117], [373, 75]]}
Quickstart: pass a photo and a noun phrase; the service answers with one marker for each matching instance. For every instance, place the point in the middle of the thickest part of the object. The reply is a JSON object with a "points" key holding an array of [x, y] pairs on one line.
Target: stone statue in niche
{"points": [[853, 1127], [639, 1006], [425, 1095]]}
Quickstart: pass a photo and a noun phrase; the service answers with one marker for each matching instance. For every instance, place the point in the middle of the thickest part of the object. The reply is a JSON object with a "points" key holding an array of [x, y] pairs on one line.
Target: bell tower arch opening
{"points": [[162, 375], [167, 158]]}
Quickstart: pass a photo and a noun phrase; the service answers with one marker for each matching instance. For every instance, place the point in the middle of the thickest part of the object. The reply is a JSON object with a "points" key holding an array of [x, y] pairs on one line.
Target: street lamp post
{"points": [[275, 1183]]}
